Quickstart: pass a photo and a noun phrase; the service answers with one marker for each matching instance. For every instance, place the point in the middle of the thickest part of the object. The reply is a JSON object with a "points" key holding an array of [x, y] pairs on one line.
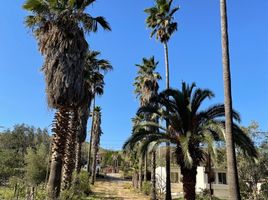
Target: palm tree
{"points": [[192, 130], [161, 20], [234, 192], [96, 140], [94, 69], [59, 28], [146, 87]]}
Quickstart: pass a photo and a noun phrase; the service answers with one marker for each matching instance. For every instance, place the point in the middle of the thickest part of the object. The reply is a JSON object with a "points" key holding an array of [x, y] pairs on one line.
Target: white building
{"points": [[219, 186]]}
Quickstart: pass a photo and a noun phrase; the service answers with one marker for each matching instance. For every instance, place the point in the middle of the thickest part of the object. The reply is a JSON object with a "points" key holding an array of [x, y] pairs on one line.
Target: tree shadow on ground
{"points": [[101, 196]]}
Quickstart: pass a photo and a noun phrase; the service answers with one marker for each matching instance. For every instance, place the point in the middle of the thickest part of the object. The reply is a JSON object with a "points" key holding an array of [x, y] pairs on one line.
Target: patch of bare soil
{"points": [[115, 189]]}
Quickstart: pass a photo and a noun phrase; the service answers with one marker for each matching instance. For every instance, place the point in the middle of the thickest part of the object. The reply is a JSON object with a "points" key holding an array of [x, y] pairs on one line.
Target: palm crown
{"points": [[146, 85], [59, 27], [190, 128], [94, 84], [94, 70], [49, 11], [160, 20]]}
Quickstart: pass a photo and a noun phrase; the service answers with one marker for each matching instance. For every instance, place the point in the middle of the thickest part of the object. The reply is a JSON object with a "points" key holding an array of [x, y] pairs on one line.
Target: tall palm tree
{"points": [[234, 192], [95, 69], [59, 28], [192, 130], [146, 87], [161, 20], [96, 140]]}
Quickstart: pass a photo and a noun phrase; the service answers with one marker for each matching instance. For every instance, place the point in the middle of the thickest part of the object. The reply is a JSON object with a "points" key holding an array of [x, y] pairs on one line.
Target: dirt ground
{"points": [[113, 188]]}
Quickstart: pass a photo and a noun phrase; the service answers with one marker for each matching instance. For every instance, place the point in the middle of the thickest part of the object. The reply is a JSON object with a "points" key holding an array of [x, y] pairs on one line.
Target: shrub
{"points": [[146, 187], [264, 190], [79, 189], [205, 195]]}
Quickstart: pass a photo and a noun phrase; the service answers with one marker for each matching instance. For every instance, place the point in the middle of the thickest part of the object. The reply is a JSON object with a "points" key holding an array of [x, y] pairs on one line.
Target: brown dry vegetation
{"points": [[115, 189]]}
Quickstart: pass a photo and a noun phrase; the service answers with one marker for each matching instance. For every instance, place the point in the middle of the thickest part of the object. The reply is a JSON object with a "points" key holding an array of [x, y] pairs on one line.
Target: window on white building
{"points": [[222, 178]]}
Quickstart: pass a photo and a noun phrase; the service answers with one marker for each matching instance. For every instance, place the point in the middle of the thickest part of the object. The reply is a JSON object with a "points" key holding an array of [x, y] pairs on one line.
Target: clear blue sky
{"points": [[195, 55]]}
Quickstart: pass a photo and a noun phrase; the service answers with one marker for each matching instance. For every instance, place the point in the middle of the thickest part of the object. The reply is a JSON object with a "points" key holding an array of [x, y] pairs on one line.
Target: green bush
{"points": [[79, 189], [36, 164], [146, 187], [264, 190], [41, 192], [205, 195], [6, 193]]}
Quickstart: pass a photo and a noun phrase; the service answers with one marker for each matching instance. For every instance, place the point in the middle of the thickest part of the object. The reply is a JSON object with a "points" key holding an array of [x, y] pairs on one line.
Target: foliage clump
{"points": [[80, 188]]}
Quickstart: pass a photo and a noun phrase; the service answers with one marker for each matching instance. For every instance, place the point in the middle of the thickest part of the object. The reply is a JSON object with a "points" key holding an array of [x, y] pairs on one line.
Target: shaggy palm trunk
{"points": [[78, 156], [153, 177], [90, 139], [168, 183], [140, 173], [232, 176], [69, 153], [94, 162], [95, 143], [145, 168], [189, 181], [57, 151]]}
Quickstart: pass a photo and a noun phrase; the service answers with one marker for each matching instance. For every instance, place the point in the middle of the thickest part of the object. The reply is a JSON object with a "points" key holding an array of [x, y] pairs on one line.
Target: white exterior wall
{"points": [[200, 179], [220, 190], [160, 174]]}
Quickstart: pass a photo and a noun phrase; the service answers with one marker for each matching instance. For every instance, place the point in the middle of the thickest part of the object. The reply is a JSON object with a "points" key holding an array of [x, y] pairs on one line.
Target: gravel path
{"points": [[113, 188]]}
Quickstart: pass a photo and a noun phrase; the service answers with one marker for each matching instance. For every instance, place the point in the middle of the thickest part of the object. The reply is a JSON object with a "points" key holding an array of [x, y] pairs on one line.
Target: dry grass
{"points": [[115, 189]]}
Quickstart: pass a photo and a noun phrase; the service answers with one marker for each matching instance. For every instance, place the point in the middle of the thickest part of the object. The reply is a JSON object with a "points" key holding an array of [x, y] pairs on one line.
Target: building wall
{"points": [[220, 190], [200, 179]]}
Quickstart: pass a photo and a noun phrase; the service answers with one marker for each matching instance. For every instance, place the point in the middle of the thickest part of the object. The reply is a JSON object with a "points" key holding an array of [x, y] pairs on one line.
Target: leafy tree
{"points": [[13, 148], [36, 161], [11, 164], [253, 172]]}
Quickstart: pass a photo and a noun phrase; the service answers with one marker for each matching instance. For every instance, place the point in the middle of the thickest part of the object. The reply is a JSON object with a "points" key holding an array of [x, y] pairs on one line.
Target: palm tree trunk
{"points": [[95, 142], [94, 160], [90, 140], [135, 177], [57, 151], [168, 182], [189, 181], [153, 177], [232, 176], [140, 173], [167, 65], [69, 153], [145, 168], [78, 157]]}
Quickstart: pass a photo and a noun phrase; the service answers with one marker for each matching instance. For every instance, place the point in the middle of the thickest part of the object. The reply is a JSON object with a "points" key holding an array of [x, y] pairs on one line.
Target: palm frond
{"points": [[184, 143], [148, 124], [217, 111], [199, 96], [90, 24]]}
